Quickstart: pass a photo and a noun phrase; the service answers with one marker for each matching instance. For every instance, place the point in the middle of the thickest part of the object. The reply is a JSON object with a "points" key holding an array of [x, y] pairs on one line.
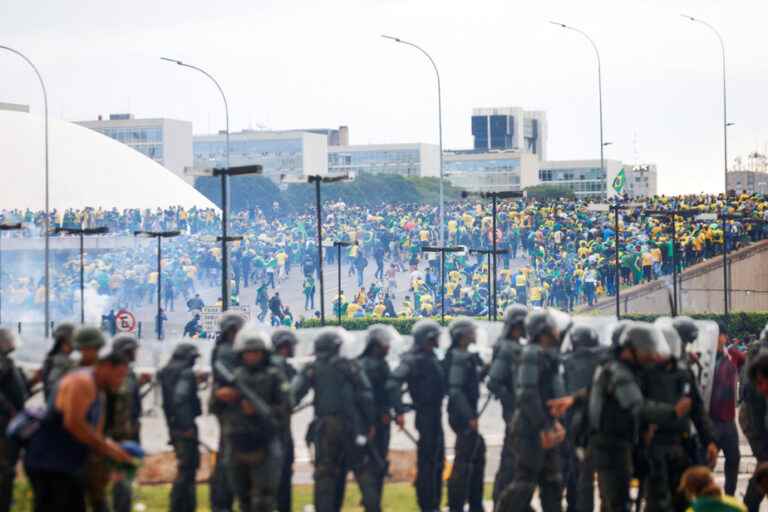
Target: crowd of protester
{"points": [[559, 253]]}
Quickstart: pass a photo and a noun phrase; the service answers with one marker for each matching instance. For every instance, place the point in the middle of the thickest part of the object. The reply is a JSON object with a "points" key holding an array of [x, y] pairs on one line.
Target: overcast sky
{"points": [[298, 64]]}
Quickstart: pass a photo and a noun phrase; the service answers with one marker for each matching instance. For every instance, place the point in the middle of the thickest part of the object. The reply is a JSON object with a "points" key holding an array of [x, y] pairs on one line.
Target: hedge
{"points": [[739, 325]]}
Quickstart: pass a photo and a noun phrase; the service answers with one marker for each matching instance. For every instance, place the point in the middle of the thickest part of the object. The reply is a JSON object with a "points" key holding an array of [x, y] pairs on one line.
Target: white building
{"points": [[166, 141], [641, 180], [419, 160], [751, 182], [492, 171], [583, 177], [280, 153], [510, 128]]}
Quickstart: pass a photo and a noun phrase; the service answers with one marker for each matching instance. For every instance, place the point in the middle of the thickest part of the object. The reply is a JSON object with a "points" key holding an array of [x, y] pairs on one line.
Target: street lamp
{"points": [[599, 86], [4, 227], [46, 223], [226, 240], [160, 235], [726, 124], [439, 126], [491, 276], [494, 196], [442, 251], [317, 179], [224, 188], [82, 232], [338, 246]]}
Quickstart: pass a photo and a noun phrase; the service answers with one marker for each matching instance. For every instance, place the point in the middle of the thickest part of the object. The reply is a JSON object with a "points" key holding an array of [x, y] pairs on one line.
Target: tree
{"points": [[546, 192]]}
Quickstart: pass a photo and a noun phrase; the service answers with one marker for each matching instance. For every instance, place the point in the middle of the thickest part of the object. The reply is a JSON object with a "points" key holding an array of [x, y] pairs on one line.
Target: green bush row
{"points": [[740, 325]]}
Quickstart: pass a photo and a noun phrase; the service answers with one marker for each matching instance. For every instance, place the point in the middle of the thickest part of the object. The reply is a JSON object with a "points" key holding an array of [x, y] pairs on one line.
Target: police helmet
{"points": [[63, 331], [282, 336], [514, 316], [186, 351], [618, 330], [583, 336], [124, 342], [424, 332], [538, 323], [252, 340], [461, 327], [686, 328], [231, 320], [379, 335], [666, 325], [642, 337], [7, 340], [89, 337], [328, 342], [764, 334]]}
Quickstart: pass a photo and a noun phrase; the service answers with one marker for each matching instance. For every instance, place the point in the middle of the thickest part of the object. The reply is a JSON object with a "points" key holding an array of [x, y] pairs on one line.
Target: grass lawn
{"points": [[399, 497]]}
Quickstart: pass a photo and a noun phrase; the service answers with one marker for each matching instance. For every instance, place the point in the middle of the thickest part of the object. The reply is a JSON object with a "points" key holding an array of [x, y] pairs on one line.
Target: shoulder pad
{"points": [[531, 353], [459, 357]]}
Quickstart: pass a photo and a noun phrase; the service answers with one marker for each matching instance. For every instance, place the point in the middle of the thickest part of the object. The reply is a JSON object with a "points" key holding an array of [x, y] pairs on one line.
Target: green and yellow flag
{"points": [[618, 182]]}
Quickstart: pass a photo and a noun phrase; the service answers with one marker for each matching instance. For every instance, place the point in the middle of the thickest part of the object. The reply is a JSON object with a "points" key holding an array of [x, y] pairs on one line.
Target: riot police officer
{"points": [[259, 405], [752, 414], [181, 406], [221, 493], [284, 343], [465, 373], [421, 370], [58, 361], [124, 414], [343, 424], [373, 360], [672, 449], [501, 382], [536, 431], [13, 394], [578, 369], [617, 408]]}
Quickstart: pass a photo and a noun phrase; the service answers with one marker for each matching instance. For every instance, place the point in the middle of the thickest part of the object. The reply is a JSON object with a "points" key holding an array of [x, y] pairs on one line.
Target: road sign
{"points": [[125, 321], [209, 317]]}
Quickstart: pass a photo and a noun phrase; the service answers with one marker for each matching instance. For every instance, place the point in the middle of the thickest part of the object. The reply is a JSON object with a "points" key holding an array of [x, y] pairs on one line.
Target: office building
{"points": [[420, 160], [751, 182], [641, 180], [491, 171], [280, 153], [166, 141], [583, 177], [336, 136], [510, 128]]}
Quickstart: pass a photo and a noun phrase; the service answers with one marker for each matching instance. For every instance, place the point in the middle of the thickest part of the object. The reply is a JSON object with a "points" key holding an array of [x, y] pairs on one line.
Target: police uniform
{"points": [[280, 336], [13, 394], [181, 406], [752, 420], [422, 372], [466, 480], [343, 404]]}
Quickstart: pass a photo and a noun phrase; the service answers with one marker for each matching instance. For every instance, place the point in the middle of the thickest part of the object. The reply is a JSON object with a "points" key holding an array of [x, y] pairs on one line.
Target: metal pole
{"points": [[674, 267], [490, 302], [338, 298], [82, 278], [442, 286], [493, 224], [159, 285], [617, 262], [320, 249], [46, 223]]}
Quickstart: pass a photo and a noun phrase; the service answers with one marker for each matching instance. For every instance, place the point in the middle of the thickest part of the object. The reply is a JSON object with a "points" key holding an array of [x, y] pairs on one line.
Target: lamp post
{"points": [[230, 239], [82, 232], [318, 179], [439, 127], [338, 245], [4, 227], [159, 235], [599, 86], [726, 124], [491, 276], [47, 221], [670, 215], [224, 173], [442, 251], [494, 196]]}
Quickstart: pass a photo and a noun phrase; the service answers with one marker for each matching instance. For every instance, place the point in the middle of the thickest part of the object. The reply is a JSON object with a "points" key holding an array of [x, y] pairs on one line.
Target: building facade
{"points": [[418, 160], [280, 153], [491, 171], [641, 180], [510, 128], [751, 182], [583, 177], [166, 141]]}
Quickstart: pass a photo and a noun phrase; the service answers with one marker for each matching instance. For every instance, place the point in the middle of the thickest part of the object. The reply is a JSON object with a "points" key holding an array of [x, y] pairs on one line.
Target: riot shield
{"points": [[703, 354]]}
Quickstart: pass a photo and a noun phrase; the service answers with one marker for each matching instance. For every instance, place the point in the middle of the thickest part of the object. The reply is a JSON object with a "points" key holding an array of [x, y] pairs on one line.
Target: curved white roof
{"points": [[86, 169]]}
